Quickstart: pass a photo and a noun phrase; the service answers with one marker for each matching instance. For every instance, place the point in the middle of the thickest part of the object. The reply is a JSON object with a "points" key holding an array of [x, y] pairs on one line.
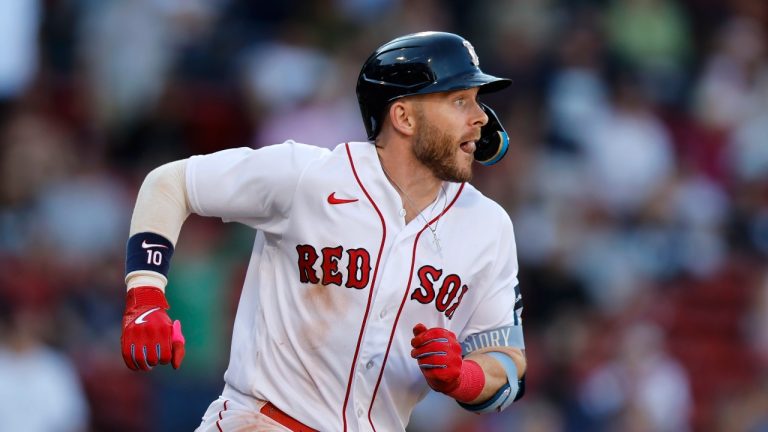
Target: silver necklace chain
{"points": [[421, 215]]}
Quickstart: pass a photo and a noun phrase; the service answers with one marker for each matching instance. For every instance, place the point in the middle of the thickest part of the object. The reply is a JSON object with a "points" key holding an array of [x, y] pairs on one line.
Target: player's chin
{"points": [[466, 172], [462, 169], [464, 159], [456, 170]]}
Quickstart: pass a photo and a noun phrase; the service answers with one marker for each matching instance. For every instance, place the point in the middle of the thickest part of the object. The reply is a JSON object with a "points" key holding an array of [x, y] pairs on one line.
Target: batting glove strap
{"points": [[507, 394], [145, 296]]}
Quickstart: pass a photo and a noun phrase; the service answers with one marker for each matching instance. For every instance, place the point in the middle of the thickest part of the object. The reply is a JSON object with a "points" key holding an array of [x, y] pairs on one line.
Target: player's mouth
{"points": [[468, 147]]}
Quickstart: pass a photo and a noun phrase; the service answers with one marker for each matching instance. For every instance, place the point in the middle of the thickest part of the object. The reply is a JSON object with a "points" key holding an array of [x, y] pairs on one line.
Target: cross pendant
{"points": [[437, 242]]}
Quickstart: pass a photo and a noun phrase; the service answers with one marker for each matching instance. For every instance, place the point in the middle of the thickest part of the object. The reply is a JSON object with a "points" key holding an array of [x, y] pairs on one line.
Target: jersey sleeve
{"points": [[498, 314], [254, 187]]}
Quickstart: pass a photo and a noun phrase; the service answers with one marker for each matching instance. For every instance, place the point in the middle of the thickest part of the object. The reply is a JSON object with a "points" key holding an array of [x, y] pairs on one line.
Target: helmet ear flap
{"points": [[494, 141]]}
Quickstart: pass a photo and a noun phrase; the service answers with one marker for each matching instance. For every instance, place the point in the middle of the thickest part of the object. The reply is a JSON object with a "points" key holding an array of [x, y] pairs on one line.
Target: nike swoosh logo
{"points": [[143, 317], [333, 200], [146, 245]]}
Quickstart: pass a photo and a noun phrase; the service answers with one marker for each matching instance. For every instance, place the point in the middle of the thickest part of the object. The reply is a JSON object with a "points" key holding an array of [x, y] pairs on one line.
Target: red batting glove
{"points": [[148, 337], [439, 356]]}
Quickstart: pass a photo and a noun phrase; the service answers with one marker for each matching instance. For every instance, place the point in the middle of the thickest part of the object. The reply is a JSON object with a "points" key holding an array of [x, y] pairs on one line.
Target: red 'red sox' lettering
{"points": [[358, 263], [358, 269], [330, 266], [445, 297], [307, 257]]}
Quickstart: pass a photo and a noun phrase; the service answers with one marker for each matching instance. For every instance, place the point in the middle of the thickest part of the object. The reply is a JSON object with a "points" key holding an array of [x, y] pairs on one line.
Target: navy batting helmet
{"points": [[428, 62]]}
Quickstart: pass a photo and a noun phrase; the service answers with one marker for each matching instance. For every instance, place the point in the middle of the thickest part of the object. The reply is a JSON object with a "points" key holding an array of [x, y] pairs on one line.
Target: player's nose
{"points": [[479, 117]]}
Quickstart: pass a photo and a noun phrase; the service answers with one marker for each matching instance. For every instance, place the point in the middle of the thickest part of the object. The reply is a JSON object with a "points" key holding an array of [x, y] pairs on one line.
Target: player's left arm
{"points": [[489, 379], [496, 375], [484, 372]]}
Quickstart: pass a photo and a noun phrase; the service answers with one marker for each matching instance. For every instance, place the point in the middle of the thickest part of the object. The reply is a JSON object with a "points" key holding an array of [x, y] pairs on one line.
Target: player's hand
{"points": [[439, 356], [149, 338]]}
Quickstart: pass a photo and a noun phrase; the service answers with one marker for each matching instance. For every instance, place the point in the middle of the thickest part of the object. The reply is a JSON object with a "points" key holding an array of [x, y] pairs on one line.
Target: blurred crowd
{"points": [[637, 180]]}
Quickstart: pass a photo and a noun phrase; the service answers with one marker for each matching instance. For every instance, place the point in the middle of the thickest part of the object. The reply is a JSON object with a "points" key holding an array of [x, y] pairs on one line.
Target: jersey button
{"points": [[402, 212], [359, 412], [383, 313], [369, 364]]}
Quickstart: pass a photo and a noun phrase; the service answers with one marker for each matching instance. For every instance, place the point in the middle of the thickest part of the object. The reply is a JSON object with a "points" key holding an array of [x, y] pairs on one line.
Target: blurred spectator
{"points": [[698, 210], [416, 16], [365, 10], [641, 389], [607, 264], [578, 96], [516, 34], [744, 411], [748, 146], [129, 47], [758, 321], [726, 90], [624, 162], [747, 149], [34, 154], [40, 391], [628, 152], [90, 229], [314, 90], [19, 27], [652, 37], [281, 75]]}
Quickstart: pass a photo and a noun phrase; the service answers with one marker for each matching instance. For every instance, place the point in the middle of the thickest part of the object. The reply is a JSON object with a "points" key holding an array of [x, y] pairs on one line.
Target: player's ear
{"points": [[401, 115]]}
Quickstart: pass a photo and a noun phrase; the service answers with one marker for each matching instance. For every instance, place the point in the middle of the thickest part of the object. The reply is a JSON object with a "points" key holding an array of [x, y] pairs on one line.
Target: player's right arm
{"points": [[149, 337], [254, 187]]}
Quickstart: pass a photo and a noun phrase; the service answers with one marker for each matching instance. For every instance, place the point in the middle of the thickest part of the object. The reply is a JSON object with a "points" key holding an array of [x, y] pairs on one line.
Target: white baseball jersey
{"points": [[337, 280]]}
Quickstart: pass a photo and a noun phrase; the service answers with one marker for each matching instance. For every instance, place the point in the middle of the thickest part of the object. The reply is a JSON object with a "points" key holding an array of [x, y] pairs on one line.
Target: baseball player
{"points": [[377, 273]]}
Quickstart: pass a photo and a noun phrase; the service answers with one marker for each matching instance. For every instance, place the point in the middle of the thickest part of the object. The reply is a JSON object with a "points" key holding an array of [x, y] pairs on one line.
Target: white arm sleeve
{"points": [[161, 208], [254, 187]]}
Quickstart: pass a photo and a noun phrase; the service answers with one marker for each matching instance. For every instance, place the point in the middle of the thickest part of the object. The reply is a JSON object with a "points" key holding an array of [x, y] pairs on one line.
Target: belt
{"points": [[284, 419]]}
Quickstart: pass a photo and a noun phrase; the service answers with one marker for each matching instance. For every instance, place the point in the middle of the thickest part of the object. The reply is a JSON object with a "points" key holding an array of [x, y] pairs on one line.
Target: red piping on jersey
{"points": [[405, 297], [221, 418], [370, 290]]}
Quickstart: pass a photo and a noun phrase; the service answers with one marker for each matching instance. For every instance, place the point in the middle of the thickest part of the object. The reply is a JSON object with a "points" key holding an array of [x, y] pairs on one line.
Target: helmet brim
{"points": [[486, 83]]}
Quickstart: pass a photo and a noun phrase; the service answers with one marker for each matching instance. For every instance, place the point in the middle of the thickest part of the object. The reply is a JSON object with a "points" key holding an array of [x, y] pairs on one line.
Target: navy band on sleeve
{"points": [[148, 251]]}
